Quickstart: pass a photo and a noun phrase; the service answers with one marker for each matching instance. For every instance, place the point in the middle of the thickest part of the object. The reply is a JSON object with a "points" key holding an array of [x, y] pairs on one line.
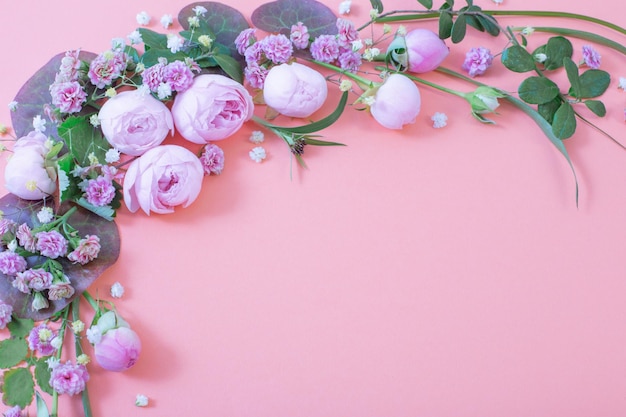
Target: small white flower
{"points": [[118, 43], [112, 156], [528, 30], [64, 181], [345, 85], [141, 400], [498, 1], [386, 28], [622, 83], [164, 90], [368, 41], [56, 343], [439, 120], [374, 14], [401, 30], [45, 215], [13, 105], [93, 119], [52, 362], [193, 21], [12, 246], [199, 10], [117, 290], [258, 154], [167, 20], [83, 359], [78, 326], [143, 18], [3, 130], [540, 57], [344, 6], [370, 54], [94, 334], [93, 159], [39, 124], [369, 100], [135, 37], [205, 40], [174, 43], [257, 137], [357, 45]]}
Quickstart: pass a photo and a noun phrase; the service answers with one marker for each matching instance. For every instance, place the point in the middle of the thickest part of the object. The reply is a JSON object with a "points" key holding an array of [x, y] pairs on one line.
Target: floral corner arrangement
{"points": [[90, 134]]}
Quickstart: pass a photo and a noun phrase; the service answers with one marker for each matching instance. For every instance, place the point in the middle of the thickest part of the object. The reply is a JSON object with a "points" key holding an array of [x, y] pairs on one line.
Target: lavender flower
{"points": [[86, 251], [13, 412], [325, 48], [477, 60], [178, 76], [349, 60], [40, 338], [277, 48], [153, 76], [11, 263], [5, 314], [51, 244], [69, 378], [212, 159], [244, 40], [100, 191], [299, 36], [346, 33], [591, 57], [255, 75]]}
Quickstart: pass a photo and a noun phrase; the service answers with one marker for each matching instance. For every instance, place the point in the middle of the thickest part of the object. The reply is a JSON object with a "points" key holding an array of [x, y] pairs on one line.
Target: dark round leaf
{"points": [[278, 17], [81, 276]]}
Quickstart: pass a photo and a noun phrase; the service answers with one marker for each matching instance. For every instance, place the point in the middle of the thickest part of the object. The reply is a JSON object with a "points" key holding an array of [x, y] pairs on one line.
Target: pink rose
{"points": [[27, 174], [425, 49], [162, 178], [134, 121], [118, 349], [213, 108], [295, 90], [397, 102]]}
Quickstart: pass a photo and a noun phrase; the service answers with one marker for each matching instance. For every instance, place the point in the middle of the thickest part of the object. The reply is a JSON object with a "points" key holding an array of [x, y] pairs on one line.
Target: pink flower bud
{"points": [[425, 49], [118, 349], [397, 102], [295, 90]]}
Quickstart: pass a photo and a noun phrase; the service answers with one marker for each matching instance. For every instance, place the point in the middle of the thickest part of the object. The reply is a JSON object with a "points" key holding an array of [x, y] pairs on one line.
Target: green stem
{"points": [[55, 395], [91, 301], [601, 40], [79, 350], [364, 83]]}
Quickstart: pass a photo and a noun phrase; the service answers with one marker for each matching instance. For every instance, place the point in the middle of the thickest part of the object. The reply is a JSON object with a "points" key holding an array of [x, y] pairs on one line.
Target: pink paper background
{"points": [[423, 272]]}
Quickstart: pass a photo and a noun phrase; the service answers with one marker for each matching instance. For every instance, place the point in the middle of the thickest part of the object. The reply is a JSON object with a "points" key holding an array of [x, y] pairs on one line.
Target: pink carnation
{"points": [[212, 159], [37, 342], [255, 75], [152, 77], [69, 378], [15, 411], [68, 96], [299, 36], [7, 225], [277, 48], [349, 60], [86, 251], [100, 191], [325, 48], [477, 60], [25, 237], [103, 71], [5, 314], [70, 64], [244, 40], [11, 263], [36, 279], [254, 54], [591, 57], [347, 33], [51, 244], [60, 290], [178, 76]]}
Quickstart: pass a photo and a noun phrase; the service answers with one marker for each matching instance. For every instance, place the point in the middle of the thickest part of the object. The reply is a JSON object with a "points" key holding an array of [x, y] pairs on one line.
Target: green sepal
{"points": [[564, 123], [18, 387], [42, 407]]}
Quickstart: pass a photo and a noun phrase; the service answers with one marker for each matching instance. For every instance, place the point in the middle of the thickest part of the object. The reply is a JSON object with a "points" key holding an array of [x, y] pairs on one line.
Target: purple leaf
{"points": [[280, 15], [224, 21], [81, 276], [34, 96]]}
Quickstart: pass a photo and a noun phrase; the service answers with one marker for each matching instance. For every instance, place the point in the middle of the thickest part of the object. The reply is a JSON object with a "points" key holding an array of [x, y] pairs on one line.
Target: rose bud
{"points": [[294, 90], [397, 102], [134, 121], [28, 174], [118, 349], [161, 178], [421, 50], [213, 108]]}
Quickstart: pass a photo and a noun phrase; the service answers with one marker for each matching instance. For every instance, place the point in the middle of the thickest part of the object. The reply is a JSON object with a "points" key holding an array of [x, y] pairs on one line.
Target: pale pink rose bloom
{"points": [[25, 237], [86, 251], [162, 178], [11, 263], [397, 102], [26, 174], [426, 51], [60, 290], [295, 90], [68, 96], [213, 108], [134, 122], [118, 349], [69, 378], [51, 244]]}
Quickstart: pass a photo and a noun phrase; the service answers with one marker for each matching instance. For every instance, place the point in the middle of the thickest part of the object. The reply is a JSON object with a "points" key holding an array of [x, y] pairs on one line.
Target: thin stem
{"points": [[364, 83], [601, 40], [431, 84]]}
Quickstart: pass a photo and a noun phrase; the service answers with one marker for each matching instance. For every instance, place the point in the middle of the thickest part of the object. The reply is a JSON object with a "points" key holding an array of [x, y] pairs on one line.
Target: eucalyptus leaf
{"points": [[564, 123], [428, 4], [517, 59], [572, 75], [538, 90], [556, 50], [42, 375], [597, 107], [225, 22], [80, 276], [278, 17], [20, 327], [18, 387], [34, 96], [12, 352], [459, 29], [445, 24], [593, 83]]}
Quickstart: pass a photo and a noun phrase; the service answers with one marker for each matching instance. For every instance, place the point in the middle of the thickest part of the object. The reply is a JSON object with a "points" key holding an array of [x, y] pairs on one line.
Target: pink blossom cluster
{"points": [[591, 57], [261, 55], [212, 159], [338, 49], [97, 183], [69, 378], [40, 339], [107, 67], [477, 60], [5, 314], [67, 93], [177, 75]]}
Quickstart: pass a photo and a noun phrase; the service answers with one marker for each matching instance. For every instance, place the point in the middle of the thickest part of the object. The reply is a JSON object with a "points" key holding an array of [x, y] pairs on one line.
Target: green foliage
{"points": [[426, 3], [12, 352], [378, 5], [538, 90], [453, 24], [82, 140], [517, 59], [20, 327], [593, 83], [597, 107], [557, 49], [152, 39], [18, 387], [564, 122], [230, 66], [42, 375]]}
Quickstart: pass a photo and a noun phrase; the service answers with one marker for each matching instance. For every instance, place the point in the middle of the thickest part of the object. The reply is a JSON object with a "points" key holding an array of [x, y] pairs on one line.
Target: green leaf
{"points": [[152, 39], [42, 375], [450, 3], [459, 28], [593, 83], [445, 25], [20, 327], [12, 352], [42, 408], [230, 66], [564, 123], [547, 110], [66, 164], [597, 107], [151, 57], [517, 59], [538, 90], [378, 5], [106, 212], [489, 23], [556, 50], [18, 388], [428, 4], [572, 75], [82, 139], [317, 142]]}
